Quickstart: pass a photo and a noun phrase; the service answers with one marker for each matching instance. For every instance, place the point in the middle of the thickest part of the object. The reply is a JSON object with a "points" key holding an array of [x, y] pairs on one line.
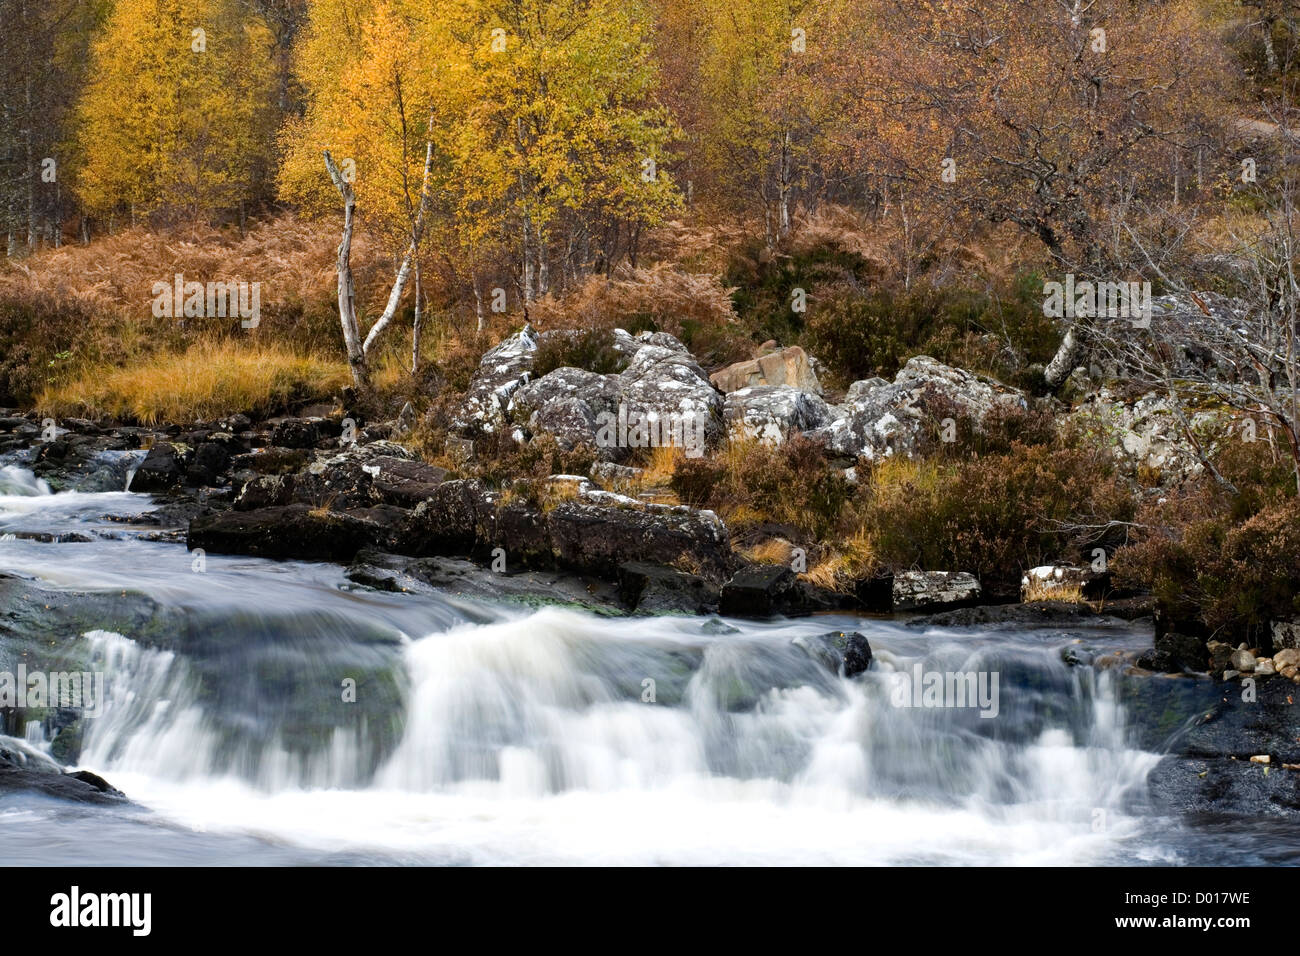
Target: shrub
{"points": [[859, 335], [499, 460], [749, 483], [590, 349], [1205, 567], [996, 515]]}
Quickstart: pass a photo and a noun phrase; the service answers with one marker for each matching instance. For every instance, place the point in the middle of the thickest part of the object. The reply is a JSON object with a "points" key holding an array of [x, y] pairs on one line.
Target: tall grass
{"points": [[207, 381]]}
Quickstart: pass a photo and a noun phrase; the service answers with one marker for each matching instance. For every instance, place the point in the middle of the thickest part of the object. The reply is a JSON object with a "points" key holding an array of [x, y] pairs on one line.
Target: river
{"points": [[263, 712]]}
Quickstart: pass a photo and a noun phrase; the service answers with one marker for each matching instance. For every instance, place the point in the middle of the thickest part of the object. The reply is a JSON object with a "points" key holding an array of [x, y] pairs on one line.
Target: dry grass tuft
{"points": [[208, 381], [1039, 590], [849, 562], [769, 551]]}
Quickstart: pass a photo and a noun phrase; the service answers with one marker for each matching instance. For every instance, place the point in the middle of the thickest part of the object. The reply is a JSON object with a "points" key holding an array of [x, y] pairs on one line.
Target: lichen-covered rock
{"points": [[771, 413], [880, 420], [1147, 435], [934, 590], [1047, 578], [600, 531], [670, 385], [565, 403], [501, 370], [304, 432]]}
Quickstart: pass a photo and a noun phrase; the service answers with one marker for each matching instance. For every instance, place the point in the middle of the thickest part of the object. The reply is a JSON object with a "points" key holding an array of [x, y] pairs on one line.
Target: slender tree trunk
{"points": [[415, 325], [1270, 52], [543, 266], [526, 279], [347, 293], [785, 185], [1066, 359], [31, 168], [478, 306]]}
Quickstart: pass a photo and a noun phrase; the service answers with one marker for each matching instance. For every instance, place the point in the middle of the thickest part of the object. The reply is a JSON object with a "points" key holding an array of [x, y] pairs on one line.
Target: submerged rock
{"points": [[846, 652], [22, 769]]}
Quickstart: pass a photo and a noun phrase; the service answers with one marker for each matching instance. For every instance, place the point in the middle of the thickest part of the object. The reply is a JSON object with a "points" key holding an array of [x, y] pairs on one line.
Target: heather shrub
{"points": [[1205, 564], [996, 515], [750, 483], [590, 349]]}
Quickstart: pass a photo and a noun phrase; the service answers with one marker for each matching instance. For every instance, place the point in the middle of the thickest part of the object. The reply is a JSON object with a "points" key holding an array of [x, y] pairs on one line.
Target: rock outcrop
{"points": [[772, 413], [789, 366], [880, 420]]}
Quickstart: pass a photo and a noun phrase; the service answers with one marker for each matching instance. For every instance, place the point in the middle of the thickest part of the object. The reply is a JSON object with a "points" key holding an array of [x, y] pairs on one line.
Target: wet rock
{"points": [[210, 460], [842, 652], [1219, 785], [163, 468], [1174, 653], [24, 770], [654, 589], [291, 531], [760, 590], [1220, 655], [1035, 614], [458, 577]]}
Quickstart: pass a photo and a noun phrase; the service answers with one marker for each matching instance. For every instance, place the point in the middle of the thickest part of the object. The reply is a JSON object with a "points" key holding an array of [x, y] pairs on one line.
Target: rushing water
{"points": [[502, 734]]}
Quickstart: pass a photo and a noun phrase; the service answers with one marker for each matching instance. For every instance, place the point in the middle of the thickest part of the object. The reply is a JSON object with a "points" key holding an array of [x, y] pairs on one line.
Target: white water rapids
{"points": [[504, 735]]}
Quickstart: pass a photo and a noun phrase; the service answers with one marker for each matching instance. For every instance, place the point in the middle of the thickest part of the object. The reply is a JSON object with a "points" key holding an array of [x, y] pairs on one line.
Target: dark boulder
{"points": [[654, 589], [210, 460], [600, 531], [163, 468], [760, 590], [305, 432], [1174, 653], [292, 531], [35, 773], [846, 652]]}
